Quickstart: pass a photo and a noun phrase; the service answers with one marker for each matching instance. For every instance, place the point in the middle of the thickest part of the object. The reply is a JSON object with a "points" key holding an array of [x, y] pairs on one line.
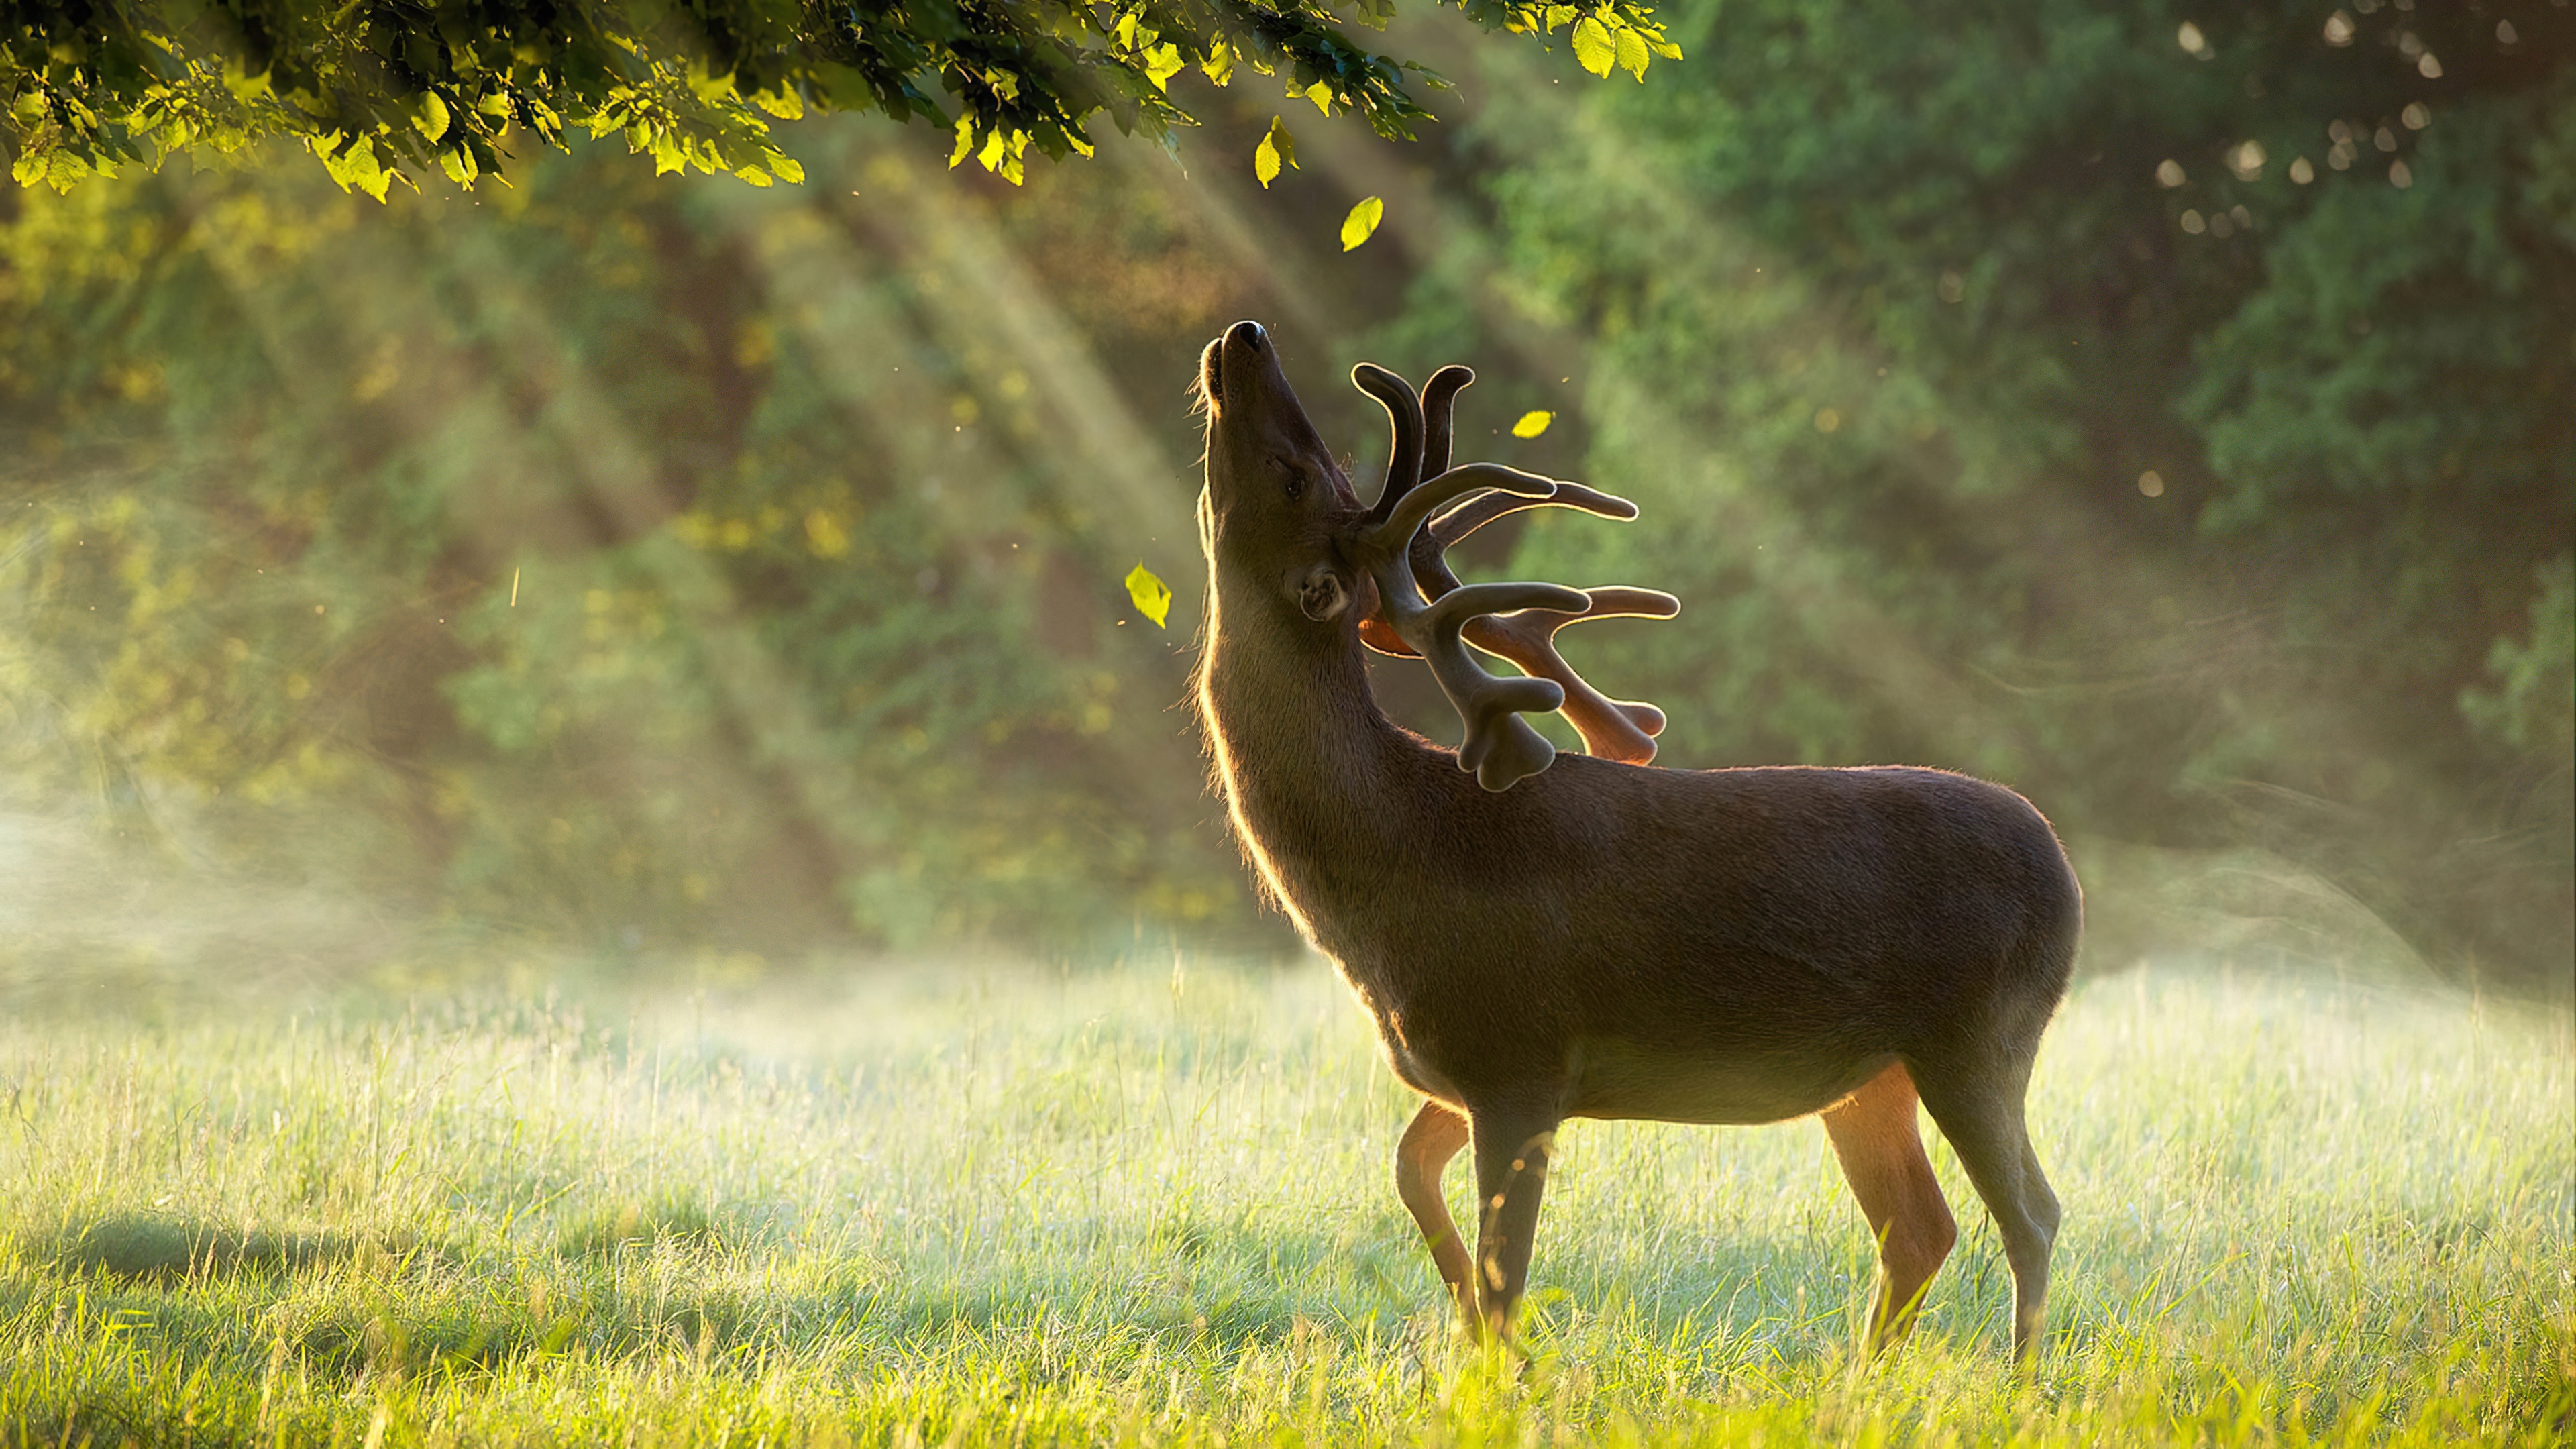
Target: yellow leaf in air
{"points": [[1361, 224], [1532, 423], [1153, 598], [1275, 149]]}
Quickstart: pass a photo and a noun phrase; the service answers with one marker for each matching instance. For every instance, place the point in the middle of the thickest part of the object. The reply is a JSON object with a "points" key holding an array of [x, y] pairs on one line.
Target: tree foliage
{"points": [[631, 557], [2165, 414], [382, 89], [2162, 413]]}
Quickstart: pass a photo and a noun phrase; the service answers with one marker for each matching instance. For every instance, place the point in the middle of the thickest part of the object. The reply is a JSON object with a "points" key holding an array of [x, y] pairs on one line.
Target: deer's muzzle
{"points": [[1249, 345]]}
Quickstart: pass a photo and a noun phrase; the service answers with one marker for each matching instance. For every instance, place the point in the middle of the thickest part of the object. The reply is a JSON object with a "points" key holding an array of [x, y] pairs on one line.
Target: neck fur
{"points": [[1303, 754]]}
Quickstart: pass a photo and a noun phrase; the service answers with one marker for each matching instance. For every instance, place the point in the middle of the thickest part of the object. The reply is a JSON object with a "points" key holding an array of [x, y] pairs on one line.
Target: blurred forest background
{"points": [[2165, 412]]}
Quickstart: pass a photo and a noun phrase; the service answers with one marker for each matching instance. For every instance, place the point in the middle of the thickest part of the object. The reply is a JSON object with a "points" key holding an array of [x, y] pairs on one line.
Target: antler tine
{"points": [[1423, 608], [1383, 545], [1439, 395], [1395, 531], [1434, 411], [1621, 730], [1613, 729], [1404, 455], [1431, 546], [1475, 513], [1500, 748]]}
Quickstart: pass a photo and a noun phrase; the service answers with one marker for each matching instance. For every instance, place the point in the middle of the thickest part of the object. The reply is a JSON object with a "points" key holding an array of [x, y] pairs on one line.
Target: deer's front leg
{"points": [[1436, 1134], [1512, 1144]]}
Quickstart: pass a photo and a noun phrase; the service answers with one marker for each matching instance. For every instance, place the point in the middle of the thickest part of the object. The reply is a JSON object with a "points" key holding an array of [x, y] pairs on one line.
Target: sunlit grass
{"points": [[1151, 1204]]}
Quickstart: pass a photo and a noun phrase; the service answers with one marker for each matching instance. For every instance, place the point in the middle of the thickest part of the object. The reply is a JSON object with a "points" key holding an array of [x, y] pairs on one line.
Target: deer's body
{"points": [[1607, 940], [1719, 946]]}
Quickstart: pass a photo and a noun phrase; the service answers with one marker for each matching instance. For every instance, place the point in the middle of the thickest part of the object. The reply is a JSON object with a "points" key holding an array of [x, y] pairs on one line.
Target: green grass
{"points": [[1152, 1205]]}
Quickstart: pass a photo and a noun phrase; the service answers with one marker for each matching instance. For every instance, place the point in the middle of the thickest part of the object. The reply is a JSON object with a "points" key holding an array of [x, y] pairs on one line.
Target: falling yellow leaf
{"points": [[1361, 224], [1532, 423], [1276, 149], [1153, 598]]}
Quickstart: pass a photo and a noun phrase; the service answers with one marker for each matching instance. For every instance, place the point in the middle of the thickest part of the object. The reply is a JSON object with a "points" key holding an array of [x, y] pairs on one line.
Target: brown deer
{"points": [[1540, 939]]}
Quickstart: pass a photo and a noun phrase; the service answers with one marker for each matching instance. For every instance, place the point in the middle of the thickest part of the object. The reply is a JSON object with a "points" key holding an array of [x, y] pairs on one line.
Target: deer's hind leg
{"points": [[1982, 1117], [1434, 1137], [1881, 1148]]}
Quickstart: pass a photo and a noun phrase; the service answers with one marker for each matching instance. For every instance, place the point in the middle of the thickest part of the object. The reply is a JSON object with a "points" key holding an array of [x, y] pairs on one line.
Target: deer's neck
{"points": [[1316, 779]]}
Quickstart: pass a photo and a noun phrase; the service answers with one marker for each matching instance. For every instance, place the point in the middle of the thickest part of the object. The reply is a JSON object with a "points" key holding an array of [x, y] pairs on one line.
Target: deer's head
{"points": [[1276, 504], [1278, 511]]}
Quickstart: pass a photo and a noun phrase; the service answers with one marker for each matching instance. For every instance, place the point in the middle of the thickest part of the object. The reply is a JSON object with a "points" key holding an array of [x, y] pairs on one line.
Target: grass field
{"points": [[1150, 1204]]}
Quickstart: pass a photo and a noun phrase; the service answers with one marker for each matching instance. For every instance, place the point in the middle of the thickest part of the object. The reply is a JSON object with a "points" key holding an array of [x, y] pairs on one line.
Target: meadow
{"points": [[1149, 1203]]}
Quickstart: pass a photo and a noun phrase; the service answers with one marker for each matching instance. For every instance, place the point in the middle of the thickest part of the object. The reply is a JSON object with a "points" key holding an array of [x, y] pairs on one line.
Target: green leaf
{"points": [[668, 157], [1219, 65], [1632, 54], [1532, 423], [1276, 147], [1593, 48], [693, 95], [356, 167], [66, 170], [1153, 598], [1361, 224]]}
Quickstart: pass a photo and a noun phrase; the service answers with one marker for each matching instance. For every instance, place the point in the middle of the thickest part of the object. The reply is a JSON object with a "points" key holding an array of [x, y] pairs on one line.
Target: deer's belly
{"points": [[1415, 1066], [1617, 1078], [1622, 1079]]}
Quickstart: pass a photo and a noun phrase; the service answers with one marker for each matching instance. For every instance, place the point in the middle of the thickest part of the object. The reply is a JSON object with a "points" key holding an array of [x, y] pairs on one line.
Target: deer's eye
{"points": [[1294, 478]]}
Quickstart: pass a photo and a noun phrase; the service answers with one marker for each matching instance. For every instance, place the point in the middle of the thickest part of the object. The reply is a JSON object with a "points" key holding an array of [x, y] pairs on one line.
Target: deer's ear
{"points": [[1375, 631], [1322, 593]]}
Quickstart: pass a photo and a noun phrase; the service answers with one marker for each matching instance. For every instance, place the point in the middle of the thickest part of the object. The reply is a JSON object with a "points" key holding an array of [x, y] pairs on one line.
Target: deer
{"points": [[1538, 938]]}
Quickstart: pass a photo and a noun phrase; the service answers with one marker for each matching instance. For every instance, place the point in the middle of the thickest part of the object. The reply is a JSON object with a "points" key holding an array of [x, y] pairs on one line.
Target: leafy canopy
{"points": [[381, 88]]}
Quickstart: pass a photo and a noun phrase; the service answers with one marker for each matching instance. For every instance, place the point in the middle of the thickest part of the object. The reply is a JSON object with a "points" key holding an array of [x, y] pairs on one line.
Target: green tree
{"points": [[2163, 410], [616, 555], [379, 89]]}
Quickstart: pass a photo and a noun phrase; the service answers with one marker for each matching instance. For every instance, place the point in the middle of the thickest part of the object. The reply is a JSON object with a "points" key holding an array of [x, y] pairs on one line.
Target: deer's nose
{"points": [[1247, 334]]}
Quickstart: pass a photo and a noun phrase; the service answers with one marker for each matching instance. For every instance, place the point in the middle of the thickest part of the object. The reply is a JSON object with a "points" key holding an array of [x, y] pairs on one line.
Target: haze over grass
{"points": [[1151, 1204]]}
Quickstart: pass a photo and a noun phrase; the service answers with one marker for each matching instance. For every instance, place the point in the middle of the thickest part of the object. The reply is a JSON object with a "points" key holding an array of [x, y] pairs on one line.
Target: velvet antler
{"points": [[1425, 610]]}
